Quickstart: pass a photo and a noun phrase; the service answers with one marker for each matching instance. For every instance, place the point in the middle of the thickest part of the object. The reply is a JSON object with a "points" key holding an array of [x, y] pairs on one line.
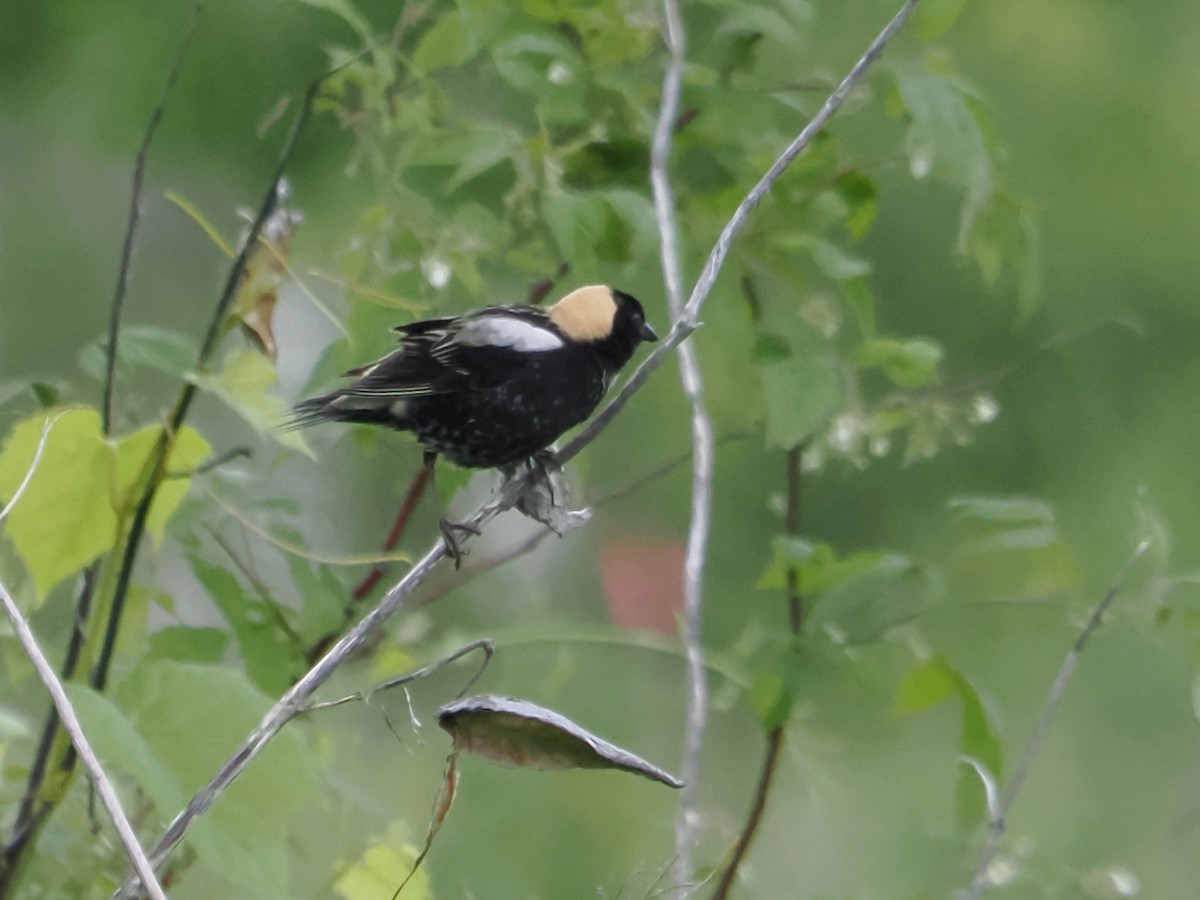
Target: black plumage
{"points": [[494, 386]]}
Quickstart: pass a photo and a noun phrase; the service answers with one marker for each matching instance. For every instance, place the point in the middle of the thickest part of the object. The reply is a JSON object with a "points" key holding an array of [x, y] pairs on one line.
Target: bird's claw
{"points": [[453, 549]]}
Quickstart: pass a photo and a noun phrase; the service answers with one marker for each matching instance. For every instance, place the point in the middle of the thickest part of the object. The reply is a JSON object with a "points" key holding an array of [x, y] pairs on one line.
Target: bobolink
{"points": [[493, 387]]}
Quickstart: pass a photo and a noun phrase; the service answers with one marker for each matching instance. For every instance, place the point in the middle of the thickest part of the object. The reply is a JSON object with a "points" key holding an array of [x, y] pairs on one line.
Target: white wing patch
{"points": [[507, 331]]}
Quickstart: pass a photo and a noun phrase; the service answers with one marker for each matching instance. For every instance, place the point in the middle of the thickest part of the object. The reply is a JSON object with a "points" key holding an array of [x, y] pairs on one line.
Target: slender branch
{"points": [[1059, 686], [660, 156], [135, 214], [696, 552], [716, 259], [758, 806], [70, 723], [766, 775]]}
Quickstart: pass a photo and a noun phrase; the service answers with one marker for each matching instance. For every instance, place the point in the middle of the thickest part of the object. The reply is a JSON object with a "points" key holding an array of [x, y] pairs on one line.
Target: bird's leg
{"points": [[448, 528]]}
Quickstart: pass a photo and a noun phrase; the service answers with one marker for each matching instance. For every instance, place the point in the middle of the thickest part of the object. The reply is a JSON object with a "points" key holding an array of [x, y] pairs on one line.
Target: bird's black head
{"points": [[631, 317]]}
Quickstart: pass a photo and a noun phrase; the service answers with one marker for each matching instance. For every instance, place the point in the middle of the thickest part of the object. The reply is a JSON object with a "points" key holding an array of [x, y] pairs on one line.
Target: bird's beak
{"points": [[648, 333]]}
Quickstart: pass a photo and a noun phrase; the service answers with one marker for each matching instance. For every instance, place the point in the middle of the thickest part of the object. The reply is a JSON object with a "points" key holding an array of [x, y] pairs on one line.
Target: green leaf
{"points": [[186, 644], [886, 591], [616, 161], [567, 215], [1006, 547], [924, 687], [69, 513], [835, 263], [1002, 510], [771, 348], [818, 567], [380, 868], [122, 749], [244, 384], [322, 599], [945, 139], [12, 725], [859, 193], [546, 67], [271, 660], [909, 364], [450, 479], [447, 43], [933, 18], [46, 394], [862, 303], [770, 699], [65, 518], [157, 348], [801, 394], [636, 214], [761, 20], [481, 149], [777, 684], [346, 11], [525, 59], [933, 681], [192, 717], [588, 227], [142, 345], [1005, 234], [132, 455]]}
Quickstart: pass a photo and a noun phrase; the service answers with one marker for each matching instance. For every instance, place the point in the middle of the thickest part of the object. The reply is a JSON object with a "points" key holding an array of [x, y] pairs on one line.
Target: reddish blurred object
{"points": [[643, 583]]}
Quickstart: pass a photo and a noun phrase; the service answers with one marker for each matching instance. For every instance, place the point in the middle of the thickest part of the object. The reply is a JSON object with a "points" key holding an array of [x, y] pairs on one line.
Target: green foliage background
{"points": [[1002, 221]]}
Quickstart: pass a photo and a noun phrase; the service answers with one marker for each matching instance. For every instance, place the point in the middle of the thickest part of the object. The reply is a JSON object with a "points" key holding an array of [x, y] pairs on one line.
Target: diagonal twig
{"points": [[70, 723], [689, 320]]}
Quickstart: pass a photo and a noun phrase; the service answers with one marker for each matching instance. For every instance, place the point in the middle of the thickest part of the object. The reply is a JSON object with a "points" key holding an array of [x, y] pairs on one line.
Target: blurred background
{"points": [[1037, 251]]}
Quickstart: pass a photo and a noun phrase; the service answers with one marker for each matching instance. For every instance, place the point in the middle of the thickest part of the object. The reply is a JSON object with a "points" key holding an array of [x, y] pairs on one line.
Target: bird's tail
{"points": [[311, 412], [341, 406]]}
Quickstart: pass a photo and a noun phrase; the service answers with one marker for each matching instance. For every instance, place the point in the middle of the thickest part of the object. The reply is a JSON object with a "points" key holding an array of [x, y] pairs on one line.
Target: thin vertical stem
{"points": [[699, 528], [775, 737], [134, 217]]}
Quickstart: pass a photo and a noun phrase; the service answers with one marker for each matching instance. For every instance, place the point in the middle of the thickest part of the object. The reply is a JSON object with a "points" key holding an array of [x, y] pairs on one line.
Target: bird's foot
{"points": [[453, 549]]}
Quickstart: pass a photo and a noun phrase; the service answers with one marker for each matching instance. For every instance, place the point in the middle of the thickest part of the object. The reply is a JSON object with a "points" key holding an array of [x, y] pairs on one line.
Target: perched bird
{"points": [[496, 386]]}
